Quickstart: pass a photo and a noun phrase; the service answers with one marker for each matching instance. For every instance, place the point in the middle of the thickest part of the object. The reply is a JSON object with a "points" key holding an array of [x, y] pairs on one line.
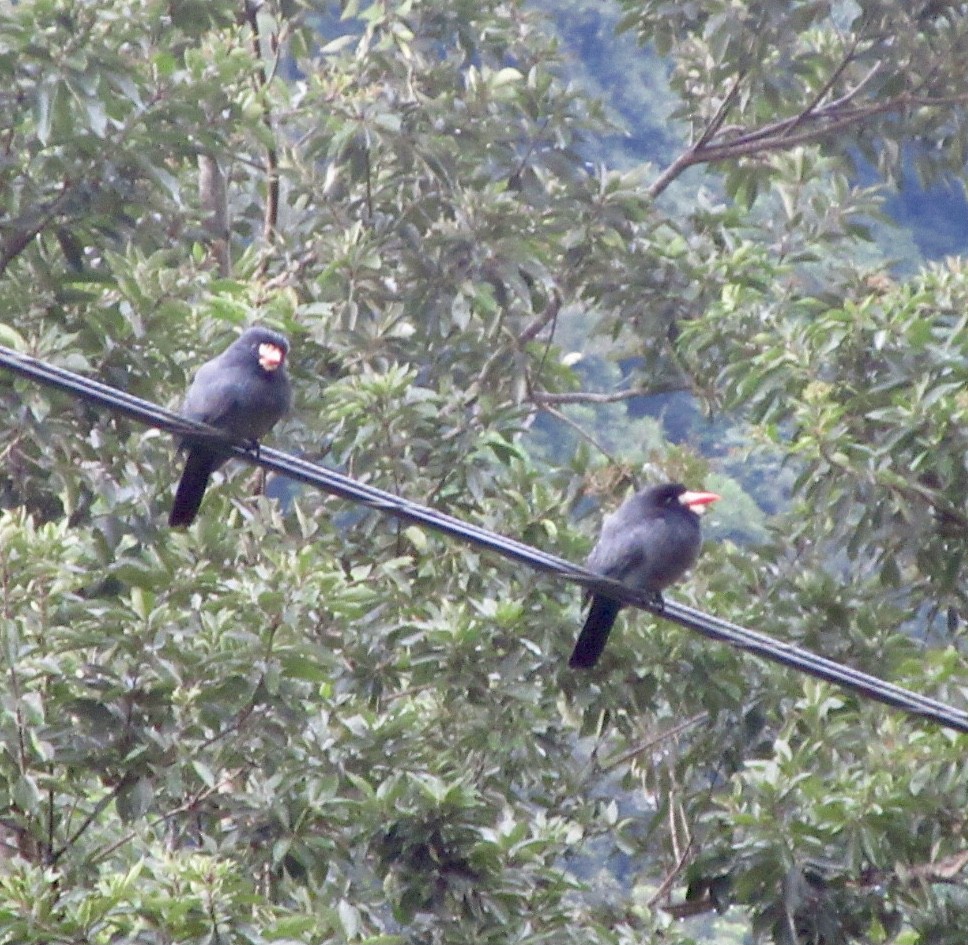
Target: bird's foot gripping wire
{"points": [[252, 446], [658, 602]]}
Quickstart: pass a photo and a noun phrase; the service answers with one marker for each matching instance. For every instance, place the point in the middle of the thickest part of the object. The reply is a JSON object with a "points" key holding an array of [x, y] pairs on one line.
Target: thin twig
{"points": [[717, 120], [650, 743], [581, 431], [528, 333], [538, 323], [807, 112], [21, 236], [597, 397], [778, 135], [125, 781], [532, 144], [856, 90], [548, 316], [671, 877], [186, 806], [261, 81]]}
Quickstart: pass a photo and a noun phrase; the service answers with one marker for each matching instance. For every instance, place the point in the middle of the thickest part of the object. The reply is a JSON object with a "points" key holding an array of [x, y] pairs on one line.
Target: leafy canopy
{"points": [[299, 721]]}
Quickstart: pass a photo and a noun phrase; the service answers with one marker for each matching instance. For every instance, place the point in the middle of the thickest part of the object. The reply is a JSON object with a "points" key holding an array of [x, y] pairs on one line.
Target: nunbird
{"points": [[648, 543], [244, 391]]}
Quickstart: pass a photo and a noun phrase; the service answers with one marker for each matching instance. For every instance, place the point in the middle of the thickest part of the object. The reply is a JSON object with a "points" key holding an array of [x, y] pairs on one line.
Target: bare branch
{"points": [[595, 397], [550, 315], [692, 155], [941, 871], [581, 431], [716, 122], [261, 81], [826, 87], [128, 779], [23, 232], [528, 333], [856, 90], [534, 327], [651, 743], [188, 805], [532, 145], [213, 197], [680, 164], [670, 878], [816, 124]]}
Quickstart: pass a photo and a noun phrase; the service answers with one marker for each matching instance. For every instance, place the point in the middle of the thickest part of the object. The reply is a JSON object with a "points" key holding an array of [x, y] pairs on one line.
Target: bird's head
{"points": [[267, 345], [675, 495]]}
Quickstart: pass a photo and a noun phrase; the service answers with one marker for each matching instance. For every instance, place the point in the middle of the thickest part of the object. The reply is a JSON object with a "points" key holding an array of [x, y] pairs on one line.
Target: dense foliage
{"points": [[302, 722]]}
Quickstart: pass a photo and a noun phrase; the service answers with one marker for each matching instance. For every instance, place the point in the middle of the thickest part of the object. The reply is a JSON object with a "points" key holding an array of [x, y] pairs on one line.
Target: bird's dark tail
{"points": [[188, 497], [594, 635]]}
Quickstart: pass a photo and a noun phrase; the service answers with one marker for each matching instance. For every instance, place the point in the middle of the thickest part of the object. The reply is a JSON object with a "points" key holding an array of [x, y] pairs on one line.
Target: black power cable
{"points": [[337, 484]]}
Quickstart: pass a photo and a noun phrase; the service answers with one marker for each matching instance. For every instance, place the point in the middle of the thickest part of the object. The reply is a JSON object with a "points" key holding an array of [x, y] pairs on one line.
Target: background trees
{"points": [[308, 723]]}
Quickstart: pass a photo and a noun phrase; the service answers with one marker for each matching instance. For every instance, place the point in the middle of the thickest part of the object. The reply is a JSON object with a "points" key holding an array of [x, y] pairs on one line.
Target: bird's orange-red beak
{"points": [[697, 501], [270, 356]]}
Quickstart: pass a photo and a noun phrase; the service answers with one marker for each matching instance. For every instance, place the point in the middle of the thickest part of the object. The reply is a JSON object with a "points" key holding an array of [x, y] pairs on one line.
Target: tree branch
{"points": [[528, 333], [670, 878], [945, 871], [595, 397], [716, 122], [829, 84], [820, 123], [128, 779], [580, 430], [213, 196], [192, 802], [22, 233], [650, 743], [534, 327], [691, 156], [856, 90], [261, 81]]}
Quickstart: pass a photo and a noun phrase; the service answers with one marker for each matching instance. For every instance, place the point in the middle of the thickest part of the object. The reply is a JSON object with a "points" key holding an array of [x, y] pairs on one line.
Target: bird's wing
{"points": [[213, 397], [627, 549], [616, 556], [619, 552]]}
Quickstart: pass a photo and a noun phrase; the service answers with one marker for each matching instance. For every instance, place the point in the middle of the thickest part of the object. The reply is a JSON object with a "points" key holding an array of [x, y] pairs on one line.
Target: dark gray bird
{"points": [[245, 391], [648, 543]]}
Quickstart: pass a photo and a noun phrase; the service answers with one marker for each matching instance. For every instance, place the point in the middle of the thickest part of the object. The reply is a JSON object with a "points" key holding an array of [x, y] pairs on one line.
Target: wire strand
{"points": [[335, 483]]}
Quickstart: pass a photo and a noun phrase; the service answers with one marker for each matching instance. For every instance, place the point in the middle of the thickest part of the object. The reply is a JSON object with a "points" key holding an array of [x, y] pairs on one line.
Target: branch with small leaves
{"points": [[814, 123]]}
